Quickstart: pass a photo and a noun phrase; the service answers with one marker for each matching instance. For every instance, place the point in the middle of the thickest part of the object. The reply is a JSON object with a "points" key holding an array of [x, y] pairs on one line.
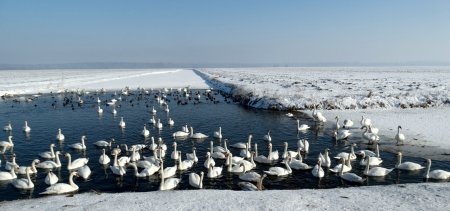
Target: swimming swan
{"points": [[436, 174], [197, 135], [51, 178], [79, 146], [218, 134], [302, 127], [195, 180], [60, 136], [62, 188], [24, 183], [408, 166], [49, 154], [50, 164], [376, 171], [76, 163], [167, 184], [26, 128]]}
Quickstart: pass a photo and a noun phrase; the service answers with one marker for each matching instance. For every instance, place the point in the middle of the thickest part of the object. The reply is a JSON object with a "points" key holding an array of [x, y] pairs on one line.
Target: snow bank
{"points": [[424, 196]]}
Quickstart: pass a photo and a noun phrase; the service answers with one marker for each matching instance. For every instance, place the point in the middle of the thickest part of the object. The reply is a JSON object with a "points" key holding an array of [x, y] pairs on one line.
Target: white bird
{"points": [[345, 155], [51, 178], [302, 127], [98, 100], [373, 161], [346, 167], [26, 128], [267, 137], [50, 164], [337, 126], [289, 153], [218, 134], [170, 122], [234, 167], [6, 176], [249, 176], [321, 118], [167, 108], [195, 180], [32, 169], [84, 172], [376, 171], [13, 164], [325, 159], [169, 171], [60, 136], [185, 128], [341, 134], [8, 127], [143, 173], [373, 130], [242, 145], [348, 123], [365, 121], [298, 164], [303, 145], [350, 177], [279, 171], [77, 163], [197, 135], [184, 164], [192, 156], [317, 170], [175, 153], [49, 154], [247, 186], [7, 144], [167, 184], [104, 159], [436, 174], [114, 111], [24, 183], [153, 110], [103, 143], [209, 161], [408, 166], [370, 137], [152, 120], [290, 115], [99, 110], [122, 123], [79, 146], [145, 132], [62, 188], [400, 137], [159, 125], [273, 155], [214, 172]]}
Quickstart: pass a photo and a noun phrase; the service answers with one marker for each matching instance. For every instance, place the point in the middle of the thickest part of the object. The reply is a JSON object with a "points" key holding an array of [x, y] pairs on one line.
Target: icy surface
{"points": [[392, 197]]}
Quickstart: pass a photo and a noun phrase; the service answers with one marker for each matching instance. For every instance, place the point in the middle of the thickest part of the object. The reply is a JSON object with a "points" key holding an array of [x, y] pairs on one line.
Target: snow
{"points": [[425, 196]]}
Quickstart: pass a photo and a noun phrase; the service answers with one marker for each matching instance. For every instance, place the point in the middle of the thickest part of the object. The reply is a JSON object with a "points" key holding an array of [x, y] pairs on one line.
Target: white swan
{"points": [[76, 163], [60, 136], [345, 155], [26, 128], [279, 171], [290, 115], [145, 132], [249, 176], [376, 171], [103, 143], [24, 183], [32, 168], [192, 156], [298, 164], [370, 137], [12, 164], [341, 134], [218, 134], [184, 164], [195, 180], [214, 172], [221, 149], [350, 177], [122, 123], [180, 134], [50, 164], [273, 155], [233, 167], [373, 130], [247, 186], [170, 122], [302, 127], [51, 178], [143, 173], [408, 166], [365, 121], [7, 144], [62, 188], [185, 128], [49, 154], [346, 167], [169, 171], [114, 111], [8, 127], [337, 126], [321, 118], [115, 168], [317, 170], [84, 172], [209, 161], [197, 135], [303, 145], [167, 184], [159, 125], [242, 145], [267, 137], [79, 146], [217, 154], [436, 174], [5, 176], [373, 161], [245, 153], [99, 110], [286, 153], [400, 137], [347, 123], [261, 158], [152, 120], [325, 159], [175, 154]]}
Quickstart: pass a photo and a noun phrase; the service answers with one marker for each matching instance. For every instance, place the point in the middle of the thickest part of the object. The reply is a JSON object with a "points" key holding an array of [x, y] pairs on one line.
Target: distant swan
{"points": [[49, 154], [197, 135], [302, 127], [122, 123], [218, 134], [376, 171], [26, 128], [7, 144], [76, 163], [400, 137], [8, 127], [60, 136]]}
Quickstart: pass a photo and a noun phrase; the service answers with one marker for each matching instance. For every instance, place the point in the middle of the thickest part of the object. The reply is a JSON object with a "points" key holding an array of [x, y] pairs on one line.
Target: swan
{"points": [[122, 123], [400, 137], [170, 122], [180, 134], [373, 130], [408, 166], [84, 172], [7, 144], [365, 121], [218, 134], [287, 153], [62, 188], [245, 153], [325, 159], [290, 115], [167, 108], [169, 171], [436, 174], [8, 127], [175, 153], [32, 168], [50, 164], [267, 137], [79, 146], [185, 128], [99, 110], [261, 158], [149, 167], [76, 163], [298, 164], [376, 171], [24, 183], [249, 176], [49, 154], [321, 118], [152, 120], [317, 170], [242, 145], [223, 149], [159, 125], [279, 171], [145, 132], [13, 164], [167, 184], [152, 146], [192, 156], [347, 123], [98, 100], [51, 178], [209, 161], [232, 167], [302, 127], [247, 186], [195, 180], [337, 126], [373, 161], [135, 156], [5, 176], [197, 135], [217, 154], [161, 144], [115, 168], [114, 111], [273, 155], [346, 154], [303, 145], [350, 177], [214, 172], [341, 134], [346, 167], [185, 164], [370, 137], [60, 136], [26, 128], [103, 143], [153, 110], [143, 173]]}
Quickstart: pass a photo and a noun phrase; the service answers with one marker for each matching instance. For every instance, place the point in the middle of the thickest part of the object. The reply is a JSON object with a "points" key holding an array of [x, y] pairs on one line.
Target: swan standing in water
{"points": [[122, 123], [60, 136], [79, 146], [26, 128], [302, 127], [50, 164], [376, 171], [104, 159], [62, 188], [8, 127], [408, 166], [400, 137], [267, 137], [76, 163], [24, 183], [350, 177], [197, 135], [436, 174], [49, 154], [218, 134], [195, 180], [7, 144], [51, 178]]}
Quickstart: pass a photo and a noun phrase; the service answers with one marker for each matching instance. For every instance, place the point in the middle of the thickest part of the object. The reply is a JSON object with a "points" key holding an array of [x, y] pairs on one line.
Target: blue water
{"points": [[46, 114]]}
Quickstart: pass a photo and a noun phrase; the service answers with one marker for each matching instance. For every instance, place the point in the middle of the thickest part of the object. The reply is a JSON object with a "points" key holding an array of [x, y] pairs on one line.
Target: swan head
{"points": [[10, 137], [400, 127], [285, 143], [174, 144], [57, 153], [52, 145], [399, 154], [67, 155]]}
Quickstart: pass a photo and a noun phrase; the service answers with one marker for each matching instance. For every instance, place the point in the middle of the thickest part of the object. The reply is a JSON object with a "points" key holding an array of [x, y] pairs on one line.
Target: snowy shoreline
{"points": [[423, 196]]}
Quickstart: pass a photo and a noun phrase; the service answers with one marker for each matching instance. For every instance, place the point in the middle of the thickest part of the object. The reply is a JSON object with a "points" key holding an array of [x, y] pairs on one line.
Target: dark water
{"points": [[236, 121]]}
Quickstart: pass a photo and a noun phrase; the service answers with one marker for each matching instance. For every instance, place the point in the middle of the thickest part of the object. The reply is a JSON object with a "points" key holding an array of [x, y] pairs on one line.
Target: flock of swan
{"points": [[275, 164]]}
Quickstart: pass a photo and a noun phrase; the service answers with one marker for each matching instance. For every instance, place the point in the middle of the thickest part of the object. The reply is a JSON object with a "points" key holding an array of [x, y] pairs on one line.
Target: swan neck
{"points": [[288, 167], [399, 160], [201, 181], [256, 150], [71, 183], [342, 167], [378, 151], [28, 176], [229, 163], [259, 184], [270, 152], [52, 152], [58, 162], [115, 159], [366, 170], [69, 162], [211, 145]]}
